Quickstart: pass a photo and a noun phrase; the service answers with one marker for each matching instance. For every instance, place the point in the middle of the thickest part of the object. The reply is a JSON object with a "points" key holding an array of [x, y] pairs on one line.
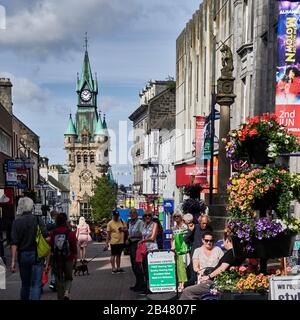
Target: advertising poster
{"points": [[288, 66]]}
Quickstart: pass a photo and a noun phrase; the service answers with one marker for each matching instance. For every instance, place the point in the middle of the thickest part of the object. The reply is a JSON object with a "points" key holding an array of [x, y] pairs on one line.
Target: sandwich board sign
{"points": [[285, 288], [162, 271]]}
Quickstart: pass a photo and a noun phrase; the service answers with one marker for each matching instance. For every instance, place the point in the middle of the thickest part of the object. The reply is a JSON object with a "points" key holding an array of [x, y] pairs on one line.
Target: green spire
{"points": [[86, 74], [104, 123], [99, 127], [71, 130], [110, 175]]}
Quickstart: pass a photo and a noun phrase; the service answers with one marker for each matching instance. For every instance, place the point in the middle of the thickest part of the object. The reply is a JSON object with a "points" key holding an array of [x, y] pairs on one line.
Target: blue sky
{"points": [[130, 42]]}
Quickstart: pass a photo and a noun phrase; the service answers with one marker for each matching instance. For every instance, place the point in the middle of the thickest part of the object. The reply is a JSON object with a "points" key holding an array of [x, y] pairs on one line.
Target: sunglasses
{"points": [[176, 216], [147, 215], [207, 241]]}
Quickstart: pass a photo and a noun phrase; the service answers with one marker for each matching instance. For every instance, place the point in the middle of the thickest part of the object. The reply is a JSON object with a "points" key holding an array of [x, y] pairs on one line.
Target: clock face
{"points": [[86, 95]]}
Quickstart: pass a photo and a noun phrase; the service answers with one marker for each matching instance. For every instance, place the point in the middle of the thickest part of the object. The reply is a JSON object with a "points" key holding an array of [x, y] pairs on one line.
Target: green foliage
{"points": [[104, 199]]}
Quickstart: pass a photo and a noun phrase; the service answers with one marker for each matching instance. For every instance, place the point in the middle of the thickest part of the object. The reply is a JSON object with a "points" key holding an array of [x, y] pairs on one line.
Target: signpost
{"points": [[162, 271], [285, 288]]}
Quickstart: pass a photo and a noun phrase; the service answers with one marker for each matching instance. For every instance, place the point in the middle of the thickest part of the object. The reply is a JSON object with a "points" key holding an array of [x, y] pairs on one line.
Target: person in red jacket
{"points": [[64, 255], [288, 88]]}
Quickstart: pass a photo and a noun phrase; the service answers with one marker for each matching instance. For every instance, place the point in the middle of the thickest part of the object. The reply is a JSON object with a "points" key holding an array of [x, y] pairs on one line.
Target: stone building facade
{"points": [[249, 28], [87, 145], [154, 118]]}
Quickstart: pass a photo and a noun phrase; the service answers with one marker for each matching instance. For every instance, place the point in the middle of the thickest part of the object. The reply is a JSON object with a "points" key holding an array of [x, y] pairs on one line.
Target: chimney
{"points": [[5, 94]]}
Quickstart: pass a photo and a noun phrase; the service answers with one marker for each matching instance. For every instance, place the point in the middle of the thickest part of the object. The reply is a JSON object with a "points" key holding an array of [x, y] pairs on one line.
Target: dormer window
{"points": [[84, 136]]}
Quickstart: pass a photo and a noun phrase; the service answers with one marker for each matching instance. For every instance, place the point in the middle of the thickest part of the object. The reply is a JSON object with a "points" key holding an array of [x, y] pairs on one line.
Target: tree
{"points": [[104, 199]]}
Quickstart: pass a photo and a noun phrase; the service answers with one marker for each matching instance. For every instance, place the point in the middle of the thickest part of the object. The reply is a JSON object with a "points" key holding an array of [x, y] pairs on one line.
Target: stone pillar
{"points": [[225, 98]]}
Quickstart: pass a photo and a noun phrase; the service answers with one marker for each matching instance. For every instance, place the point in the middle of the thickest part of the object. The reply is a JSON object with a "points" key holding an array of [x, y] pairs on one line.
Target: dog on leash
{"points": [[81, 268]]}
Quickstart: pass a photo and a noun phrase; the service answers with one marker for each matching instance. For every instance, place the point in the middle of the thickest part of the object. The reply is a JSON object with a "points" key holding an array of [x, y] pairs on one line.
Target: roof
{"points": [[71, 130], [138, 112], [57, 184], [86, 75], [99, 130]]}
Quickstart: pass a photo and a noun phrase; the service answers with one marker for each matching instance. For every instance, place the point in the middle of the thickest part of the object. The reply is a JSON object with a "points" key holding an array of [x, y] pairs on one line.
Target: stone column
{"points": [[225, 98]]}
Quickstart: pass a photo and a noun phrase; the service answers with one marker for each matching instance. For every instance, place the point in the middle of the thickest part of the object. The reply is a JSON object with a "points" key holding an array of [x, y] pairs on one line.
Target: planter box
{"points": [[243, 296], [278, 247]]}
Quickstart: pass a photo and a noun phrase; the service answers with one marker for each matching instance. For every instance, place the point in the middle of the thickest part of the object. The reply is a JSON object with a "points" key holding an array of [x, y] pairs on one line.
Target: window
{"points": [[69, 139], [5, 143], [85, 158], [106, 153], [84, 139], [78, 158], [85, 210], [92, 157], [70, 157]]}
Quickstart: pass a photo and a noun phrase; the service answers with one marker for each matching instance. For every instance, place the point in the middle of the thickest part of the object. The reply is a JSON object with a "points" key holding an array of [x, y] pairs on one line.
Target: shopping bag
{"points": [[42, 246], [181, 247]]}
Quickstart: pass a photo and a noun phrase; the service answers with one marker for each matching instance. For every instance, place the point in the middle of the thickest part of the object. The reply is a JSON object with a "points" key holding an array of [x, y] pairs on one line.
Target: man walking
{"points": [[115, 236], [135, 226], [23, 248]]}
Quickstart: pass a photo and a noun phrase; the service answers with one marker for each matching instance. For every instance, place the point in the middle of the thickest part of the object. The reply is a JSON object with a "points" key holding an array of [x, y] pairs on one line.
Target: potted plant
{"points": [[270, 188], [261, 139], [251, 194]]}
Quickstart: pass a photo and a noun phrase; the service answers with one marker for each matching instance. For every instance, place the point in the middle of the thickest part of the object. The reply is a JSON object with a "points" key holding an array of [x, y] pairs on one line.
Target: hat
{"points": [[116, 213]]}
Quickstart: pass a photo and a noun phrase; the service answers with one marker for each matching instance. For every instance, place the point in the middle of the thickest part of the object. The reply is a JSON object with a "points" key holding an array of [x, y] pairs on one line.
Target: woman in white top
{"points": [[207, 256]]}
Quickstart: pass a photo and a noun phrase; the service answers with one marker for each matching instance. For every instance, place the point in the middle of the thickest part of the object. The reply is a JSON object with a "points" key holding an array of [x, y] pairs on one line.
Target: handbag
{"points": [[42, 246]]}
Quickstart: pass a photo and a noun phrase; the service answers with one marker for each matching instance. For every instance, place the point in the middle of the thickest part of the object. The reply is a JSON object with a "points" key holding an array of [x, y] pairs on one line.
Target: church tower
{"points": [[86, 144]]}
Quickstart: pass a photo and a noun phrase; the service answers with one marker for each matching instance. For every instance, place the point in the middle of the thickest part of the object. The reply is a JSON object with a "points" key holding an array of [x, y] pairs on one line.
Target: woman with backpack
{"points": [[64, 255]]}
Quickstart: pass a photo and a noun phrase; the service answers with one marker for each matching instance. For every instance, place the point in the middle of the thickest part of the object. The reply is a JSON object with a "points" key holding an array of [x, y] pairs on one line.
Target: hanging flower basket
{"points": [[275, 247], [263, 139], [257, 151]]}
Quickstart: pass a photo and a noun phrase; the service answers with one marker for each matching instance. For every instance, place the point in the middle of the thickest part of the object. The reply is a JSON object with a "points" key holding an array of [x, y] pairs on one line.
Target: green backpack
{"points": [[42, 246]]}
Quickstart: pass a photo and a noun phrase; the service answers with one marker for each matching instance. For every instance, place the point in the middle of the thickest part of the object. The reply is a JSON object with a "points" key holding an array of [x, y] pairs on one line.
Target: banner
{"points": [[199, 138], [288, 66]]}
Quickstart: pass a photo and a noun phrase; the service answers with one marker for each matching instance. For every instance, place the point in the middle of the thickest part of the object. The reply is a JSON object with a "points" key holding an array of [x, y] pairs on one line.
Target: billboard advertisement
{"points": [[288, 66]]}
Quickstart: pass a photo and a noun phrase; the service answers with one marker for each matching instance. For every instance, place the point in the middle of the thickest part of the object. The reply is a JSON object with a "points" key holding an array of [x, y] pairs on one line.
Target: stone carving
{"points": [[227, 61]]}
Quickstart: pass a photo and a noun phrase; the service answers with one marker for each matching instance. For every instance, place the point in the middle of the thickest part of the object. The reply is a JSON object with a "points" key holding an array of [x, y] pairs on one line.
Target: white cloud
{"points": [[50, 27], [27, 94]]}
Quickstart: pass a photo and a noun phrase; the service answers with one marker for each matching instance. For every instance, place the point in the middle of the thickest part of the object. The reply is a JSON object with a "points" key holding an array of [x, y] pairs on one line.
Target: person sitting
{"points": [[207, 256], [194, 238], [228, 260]]}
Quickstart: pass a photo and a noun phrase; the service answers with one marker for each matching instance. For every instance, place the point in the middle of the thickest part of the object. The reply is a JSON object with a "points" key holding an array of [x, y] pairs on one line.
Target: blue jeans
{"points": [[31, 273]]}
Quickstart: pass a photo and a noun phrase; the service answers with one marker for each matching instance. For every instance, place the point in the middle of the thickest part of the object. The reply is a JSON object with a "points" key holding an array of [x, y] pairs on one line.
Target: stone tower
{"points": [[86, 144]]}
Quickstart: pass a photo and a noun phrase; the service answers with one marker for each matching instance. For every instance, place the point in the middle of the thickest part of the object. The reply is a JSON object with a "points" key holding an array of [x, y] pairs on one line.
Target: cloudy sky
{"points": [[130, 42]]}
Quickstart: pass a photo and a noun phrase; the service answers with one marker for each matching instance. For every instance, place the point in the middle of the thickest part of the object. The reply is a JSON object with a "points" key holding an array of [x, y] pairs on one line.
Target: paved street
{"points": [[99, 285]]}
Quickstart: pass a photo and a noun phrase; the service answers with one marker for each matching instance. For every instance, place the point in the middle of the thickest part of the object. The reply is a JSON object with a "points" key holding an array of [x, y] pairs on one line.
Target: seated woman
{"points": [[207, 256], [228, 260]]}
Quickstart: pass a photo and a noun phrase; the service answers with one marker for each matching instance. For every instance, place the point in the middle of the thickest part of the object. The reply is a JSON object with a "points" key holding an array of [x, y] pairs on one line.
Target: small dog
{"points": [[82, 268]]}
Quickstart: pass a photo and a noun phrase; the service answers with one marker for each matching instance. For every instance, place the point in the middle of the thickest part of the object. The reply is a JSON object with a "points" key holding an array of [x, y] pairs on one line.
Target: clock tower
{"points": [[86, 143]]}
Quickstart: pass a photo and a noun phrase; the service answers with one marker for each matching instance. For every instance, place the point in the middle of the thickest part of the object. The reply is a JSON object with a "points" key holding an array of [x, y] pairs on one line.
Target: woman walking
{"points": [[83, 237]]}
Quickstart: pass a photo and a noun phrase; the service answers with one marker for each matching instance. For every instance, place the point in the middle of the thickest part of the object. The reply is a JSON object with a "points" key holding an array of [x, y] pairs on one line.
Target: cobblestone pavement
{"points": [[99, 285]]}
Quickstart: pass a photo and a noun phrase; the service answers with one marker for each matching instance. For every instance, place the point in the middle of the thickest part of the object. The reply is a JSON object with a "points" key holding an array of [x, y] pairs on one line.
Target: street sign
{"points": [[169, 205], [285, 288], [162, 271]]}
